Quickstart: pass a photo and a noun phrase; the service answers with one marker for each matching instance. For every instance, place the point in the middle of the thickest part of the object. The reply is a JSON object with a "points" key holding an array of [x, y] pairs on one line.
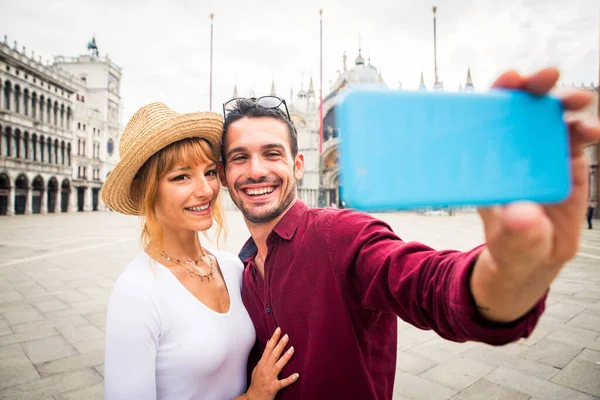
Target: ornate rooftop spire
{"points": [[422, 83]]}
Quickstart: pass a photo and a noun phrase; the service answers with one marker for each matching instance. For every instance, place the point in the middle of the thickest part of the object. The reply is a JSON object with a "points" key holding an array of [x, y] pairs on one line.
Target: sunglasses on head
{"points": [[264, 101]]}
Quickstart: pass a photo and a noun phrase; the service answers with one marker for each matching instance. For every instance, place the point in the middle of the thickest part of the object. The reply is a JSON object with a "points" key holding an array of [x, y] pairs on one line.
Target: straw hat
{"points": [[152, 128]]}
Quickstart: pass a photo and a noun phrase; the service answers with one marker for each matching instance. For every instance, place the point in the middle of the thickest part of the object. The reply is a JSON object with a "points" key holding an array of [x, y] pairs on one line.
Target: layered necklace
{"points": [[192, 265]]}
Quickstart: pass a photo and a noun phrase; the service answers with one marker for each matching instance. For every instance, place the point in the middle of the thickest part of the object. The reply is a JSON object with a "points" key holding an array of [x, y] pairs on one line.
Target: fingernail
{"points": [[278, 330], [295, 376], [286, 337], [291, 350]]}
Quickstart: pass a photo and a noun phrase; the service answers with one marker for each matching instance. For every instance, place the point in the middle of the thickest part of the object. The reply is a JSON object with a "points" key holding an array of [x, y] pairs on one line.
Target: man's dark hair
{"points": [[249, 108]]}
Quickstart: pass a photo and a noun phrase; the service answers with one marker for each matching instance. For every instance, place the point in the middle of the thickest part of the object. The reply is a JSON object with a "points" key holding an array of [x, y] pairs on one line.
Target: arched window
{"points": [[56, 113], [34, 147], [55, 151], [62, 153], [8, 141], [69, 154], [7, 94], [17, 143], [33, 105], [49, 111], [42, 104], [68, 118], [42, 144], [49, 149], [17, 98], [26, 102], [62, 115], [26, 146]]}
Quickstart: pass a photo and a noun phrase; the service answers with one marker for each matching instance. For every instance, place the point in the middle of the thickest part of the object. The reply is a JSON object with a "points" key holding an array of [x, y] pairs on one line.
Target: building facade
{"points": [[59, 126]]}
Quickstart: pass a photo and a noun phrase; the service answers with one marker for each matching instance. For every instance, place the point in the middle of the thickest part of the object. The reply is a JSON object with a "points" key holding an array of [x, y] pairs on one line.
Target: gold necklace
{"points": [[206, 258]]}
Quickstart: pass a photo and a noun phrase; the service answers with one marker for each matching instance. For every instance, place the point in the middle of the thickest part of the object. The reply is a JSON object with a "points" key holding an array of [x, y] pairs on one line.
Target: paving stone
{"points": [[89, 345], [439, 350], [542, 389], [587, 321], [32, 292], [553, 353], [10, 295], [458, 373], [490, 355], [413, 364], [11, 350], [563, 312], [51, 322], [541, 331], [49, 305], [52, 285], [94, 392], [414, 336], [4, 328], [484, 389], [22, 315], [583, 373], [398, 396], [16, 370], [72, 363], [52, 385], [418, 388], [576, 336], [81, 333], [97, 318], [71, 296], [100, 369], [27, 336], [48, 349]]}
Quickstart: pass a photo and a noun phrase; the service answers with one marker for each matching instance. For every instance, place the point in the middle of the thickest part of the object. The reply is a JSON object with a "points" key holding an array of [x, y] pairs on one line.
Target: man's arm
{"points": [[427, 288]]}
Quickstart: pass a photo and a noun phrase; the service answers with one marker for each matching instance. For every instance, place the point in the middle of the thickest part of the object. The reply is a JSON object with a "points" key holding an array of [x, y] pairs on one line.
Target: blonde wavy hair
{"points": [[144, 189]]}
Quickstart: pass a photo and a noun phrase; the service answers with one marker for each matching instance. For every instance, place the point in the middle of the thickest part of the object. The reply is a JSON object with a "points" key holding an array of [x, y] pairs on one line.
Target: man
{"points": [[590, 214], [336, 280]]}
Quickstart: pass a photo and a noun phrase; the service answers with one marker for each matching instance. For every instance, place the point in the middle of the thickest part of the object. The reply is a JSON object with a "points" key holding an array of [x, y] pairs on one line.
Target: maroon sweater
{"points": [[337, 280]]}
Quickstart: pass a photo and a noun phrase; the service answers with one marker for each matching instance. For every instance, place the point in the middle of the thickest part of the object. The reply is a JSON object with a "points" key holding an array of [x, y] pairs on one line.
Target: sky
{"points": [[163, 47]]}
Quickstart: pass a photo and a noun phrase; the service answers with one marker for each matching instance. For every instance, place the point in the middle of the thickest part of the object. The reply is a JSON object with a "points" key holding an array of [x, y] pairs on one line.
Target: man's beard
{"points": [[269, 215]]}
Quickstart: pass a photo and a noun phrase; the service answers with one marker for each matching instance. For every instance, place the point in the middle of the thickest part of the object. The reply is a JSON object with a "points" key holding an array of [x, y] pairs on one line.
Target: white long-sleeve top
{"points": [[163, 343]]}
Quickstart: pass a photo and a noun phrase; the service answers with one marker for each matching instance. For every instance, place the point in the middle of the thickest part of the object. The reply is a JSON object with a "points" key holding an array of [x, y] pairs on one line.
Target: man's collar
{"points": [[285, 228], [287, 225]]}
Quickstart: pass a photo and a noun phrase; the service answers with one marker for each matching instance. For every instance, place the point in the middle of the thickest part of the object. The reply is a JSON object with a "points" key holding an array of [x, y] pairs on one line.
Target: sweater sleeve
{"points": [[132, 332], [427, 288]]}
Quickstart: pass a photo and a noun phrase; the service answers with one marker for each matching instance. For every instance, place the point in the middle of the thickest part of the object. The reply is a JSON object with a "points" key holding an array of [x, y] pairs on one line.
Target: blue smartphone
{"points": [[403, 150]]}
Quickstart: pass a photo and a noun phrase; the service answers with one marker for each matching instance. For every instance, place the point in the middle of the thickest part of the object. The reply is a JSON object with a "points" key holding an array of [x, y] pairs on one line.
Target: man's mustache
{"points": [[263, 180]]}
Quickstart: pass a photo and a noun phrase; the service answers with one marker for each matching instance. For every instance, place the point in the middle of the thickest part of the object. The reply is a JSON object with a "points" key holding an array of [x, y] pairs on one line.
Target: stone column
{"points": [[11, 200], [28, 201], [44, 201], [87, 199], [73, 199]]}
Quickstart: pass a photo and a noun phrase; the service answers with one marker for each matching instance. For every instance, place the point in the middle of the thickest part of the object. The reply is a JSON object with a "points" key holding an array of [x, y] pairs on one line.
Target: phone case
{"points": [[403, 150]]}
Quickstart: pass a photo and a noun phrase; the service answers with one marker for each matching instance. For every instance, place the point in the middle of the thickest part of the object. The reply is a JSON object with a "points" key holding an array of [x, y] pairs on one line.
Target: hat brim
{"points": [[116, 191]]}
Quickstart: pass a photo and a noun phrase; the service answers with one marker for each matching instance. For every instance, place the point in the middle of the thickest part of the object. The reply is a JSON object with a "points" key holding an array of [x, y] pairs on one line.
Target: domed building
{"points": [[360, 74]]}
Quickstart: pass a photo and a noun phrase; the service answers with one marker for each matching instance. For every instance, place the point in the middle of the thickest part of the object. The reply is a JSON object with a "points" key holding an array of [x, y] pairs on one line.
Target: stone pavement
{"points": [[57, 271]]}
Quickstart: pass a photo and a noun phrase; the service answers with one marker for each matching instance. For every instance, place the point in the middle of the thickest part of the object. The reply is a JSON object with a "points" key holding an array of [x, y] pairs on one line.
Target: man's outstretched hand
{"points": [[529, 243]]}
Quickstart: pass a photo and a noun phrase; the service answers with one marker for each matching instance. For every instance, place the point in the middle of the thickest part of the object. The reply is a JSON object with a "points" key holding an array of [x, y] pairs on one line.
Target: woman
{"points": [[176, 324]]}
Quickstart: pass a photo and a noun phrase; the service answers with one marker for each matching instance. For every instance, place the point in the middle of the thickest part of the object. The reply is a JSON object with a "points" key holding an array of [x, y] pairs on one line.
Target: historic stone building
{"points": [[59, 126]]}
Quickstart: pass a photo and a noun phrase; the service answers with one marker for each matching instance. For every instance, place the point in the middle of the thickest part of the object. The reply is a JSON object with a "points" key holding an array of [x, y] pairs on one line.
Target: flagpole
{"points": [[435, 69], [321, 86], [211, 58]]}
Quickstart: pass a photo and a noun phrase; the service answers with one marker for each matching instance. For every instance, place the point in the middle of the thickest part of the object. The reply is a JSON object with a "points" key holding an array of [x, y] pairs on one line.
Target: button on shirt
{"points": [[337, 280]]}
